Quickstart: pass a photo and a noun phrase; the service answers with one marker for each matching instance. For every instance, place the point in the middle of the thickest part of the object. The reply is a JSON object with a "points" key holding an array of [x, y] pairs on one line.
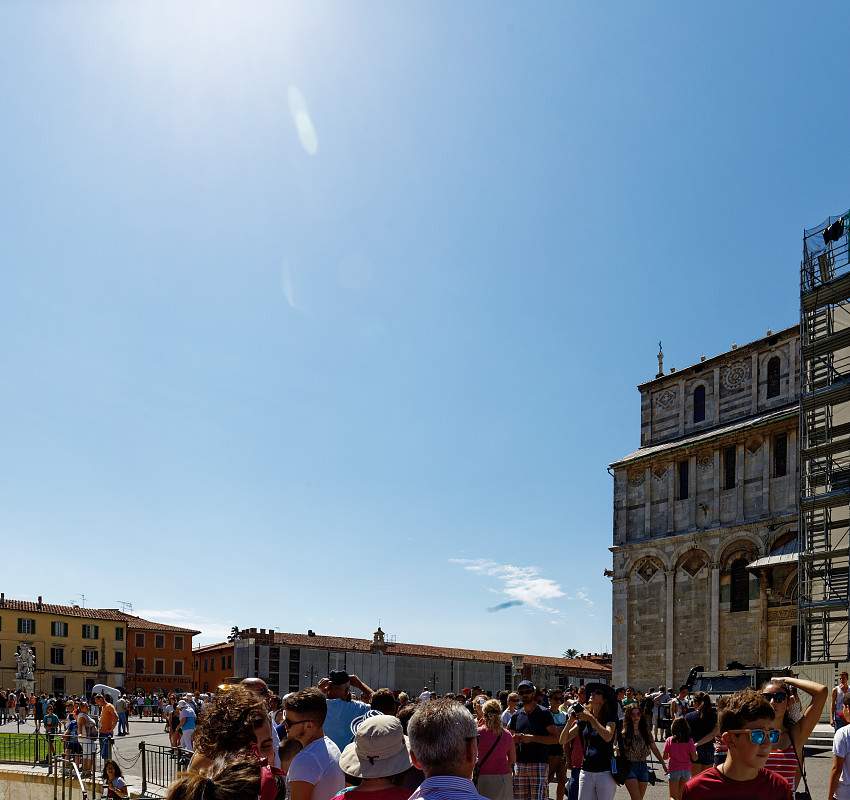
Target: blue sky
{"points": [[318, 314]]}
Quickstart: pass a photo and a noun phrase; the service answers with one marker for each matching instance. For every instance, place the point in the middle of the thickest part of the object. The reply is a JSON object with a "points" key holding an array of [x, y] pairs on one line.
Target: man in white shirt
{"points": [[314, 773], [513, 702], [840, 696], [839, 778]]}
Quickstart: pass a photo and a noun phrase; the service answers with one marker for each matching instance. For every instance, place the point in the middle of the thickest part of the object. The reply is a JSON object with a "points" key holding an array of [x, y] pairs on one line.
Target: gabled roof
{"points": [[137, 623], [109, 614], [351, 644], [31, 607]]}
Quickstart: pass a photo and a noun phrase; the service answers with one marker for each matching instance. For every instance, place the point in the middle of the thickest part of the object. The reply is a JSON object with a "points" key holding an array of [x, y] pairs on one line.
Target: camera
{"points": [[576, 708]]}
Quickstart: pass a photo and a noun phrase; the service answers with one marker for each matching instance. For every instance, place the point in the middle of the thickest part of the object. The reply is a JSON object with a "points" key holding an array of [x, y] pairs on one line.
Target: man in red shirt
{"points": [[748, 729]]}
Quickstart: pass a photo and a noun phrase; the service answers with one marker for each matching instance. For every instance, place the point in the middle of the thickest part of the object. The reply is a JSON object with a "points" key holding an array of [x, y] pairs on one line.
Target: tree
{"points": [[234, 635], [570, 653]]}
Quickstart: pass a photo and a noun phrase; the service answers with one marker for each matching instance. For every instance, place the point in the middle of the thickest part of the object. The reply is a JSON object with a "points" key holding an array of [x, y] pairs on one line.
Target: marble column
{"points": [[716, 395], [715, 512], [692, 492], [620, 631], [681, 407], [668, 622], [763, 579], [739, 482], [767, 450], [791, 470], [755, 382], [714, 622], [671, 496], [647, 501]]}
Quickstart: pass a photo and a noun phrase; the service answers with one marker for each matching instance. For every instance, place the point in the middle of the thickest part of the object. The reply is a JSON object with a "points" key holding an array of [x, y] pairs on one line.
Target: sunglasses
{"points": [[289, 723], [779, 697], [760, 735]]}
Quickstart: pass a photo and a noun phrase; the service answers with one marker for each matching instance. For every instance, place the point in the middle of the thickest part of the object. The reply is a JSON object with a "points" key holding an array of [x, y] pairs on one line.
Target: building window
{"points": [[119, 634], [773, 377], [140, 666], [140, 640], [57, 655], [178, 642], [59, 629], [159, 641], [159, 666], [178, 667], [58, 684], [119, 658], [730, 456], [26, 626], [91, 632], [90, 658], [699, 404], [740, 586], [223, 662], [206, 665], [294, 669], [780, 455], [229, 662], [683, 480]]}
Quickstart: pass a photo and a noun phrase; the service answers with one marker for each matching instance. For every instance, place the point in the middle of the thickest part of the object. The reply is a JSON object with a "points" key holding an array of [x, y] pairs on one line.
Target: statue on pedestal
{"points": [[25, 668]]}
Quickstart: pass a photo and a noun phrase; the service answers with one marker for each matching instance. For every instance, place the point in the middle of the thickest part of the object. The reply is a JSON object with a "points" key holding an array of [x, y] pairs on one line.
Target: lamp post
{"points": [[311, 675]]}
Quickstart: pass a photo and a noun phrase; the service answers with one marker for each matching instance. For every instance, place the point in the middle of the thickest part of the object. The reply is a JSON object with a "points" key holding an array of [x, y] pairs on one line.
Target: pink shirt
{"points": [[679, 754], [497, 761]]}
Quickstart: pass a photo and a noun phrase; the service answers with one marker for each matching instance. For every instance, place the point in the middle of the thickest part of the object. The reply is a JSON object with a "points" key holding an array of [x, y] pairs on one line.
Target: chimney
{"points": [[734, 345], [2, 599], [702, 358], [311, 632], [38, 606], [271, 631]]}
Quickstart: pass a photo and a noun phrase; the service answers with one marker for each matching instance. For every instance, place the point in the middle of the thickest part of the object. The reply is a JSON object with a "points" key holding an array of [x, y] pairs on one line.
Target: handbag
{"points": [[476, 770], [804, 795], [620, 764]]}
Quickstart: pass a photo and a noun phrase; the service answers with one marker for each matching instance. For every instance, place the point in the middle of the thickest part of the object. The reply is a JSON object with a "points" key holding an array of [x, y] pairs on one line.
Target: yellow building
{"points": [[75, 647]]}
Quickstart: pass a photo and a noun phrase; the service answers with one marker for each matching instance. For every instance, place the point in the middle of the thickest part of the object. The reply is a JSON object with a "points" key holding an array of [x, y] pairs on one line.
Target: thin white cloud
{"points": [[523, 584], [582, 595], [303, 122]]}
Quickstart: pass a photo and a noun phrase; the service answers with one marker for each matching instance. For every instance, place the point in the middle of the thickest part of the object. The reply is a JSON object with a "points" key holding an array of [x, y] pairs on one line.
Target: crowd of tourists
{"points": [[321, 743]]}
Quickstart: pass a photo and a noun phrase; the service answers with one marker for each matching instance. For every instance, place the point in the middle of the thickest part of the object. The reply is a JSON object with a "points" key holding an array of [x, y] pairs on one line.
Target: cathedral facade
{"points": [[705, 518]]}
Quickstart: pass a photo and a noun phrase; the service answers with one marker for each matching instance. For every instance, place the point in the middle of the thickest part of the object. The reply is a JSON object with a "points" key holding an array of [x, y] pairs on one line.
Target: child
{"points": [[113, 782], [749, 731], [680, 751]]}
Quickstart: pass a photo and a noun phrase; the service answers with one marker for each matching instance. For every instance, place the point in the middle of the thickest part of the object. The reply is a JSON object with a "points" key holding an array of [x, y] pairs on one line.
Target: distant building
{"points": [[292, 661], [77, 647], [212, 665], [159, 657], [705, 518]]}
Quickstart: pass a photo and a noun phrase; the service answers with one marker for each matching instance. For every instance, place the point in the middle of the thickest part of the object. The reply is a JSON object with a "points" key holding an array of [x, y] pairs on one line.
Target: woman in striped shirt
{"points": [[796, 725]]}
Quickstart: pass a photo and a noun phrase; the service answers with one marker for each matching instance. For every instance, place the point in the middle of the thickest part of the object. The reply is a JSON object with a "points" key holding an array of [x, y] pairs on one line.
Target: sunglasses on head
{"points": [[780, 696], [761, 735]]}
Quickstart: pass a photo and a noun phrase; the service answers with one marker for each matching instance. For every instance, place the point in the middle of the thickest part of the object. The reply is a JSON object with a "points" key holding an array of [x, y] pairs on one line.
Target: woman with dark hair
{"points": [[224, 780], [703, 722], [637, 744], [796, 725], [596, 724]]}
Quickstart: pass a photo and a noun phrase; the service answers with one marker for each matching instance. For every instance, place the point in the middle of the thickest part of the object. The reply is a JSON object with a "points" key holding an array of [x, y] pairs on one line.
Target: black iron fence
{"points": [[29, 748], [160, 765]]}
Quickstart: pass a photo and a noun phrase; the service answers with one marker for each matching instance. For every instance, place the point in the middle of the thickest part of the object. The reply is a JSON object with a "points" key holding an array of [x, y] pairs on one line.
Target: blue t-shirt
{"points": [[341, 713], [187, 719]]}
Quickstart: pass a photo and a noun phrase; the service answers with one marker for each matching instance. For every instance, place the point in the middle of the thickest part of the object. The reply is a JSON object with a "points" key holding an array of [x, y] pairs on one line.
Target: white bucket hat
{"points": [[379, 749]]}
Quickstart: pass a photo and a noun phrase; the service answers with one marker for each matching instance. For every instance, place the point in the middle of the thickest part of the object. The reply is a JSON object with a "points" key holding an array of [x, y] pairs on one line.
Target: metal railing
{"points": [[160, 765], [67, 777], [29, 748]]}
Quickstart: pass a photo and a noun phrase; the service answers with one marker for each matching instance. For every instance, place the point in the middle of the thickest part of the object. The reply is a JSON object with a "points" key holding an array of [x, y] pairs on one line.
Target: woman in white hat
{"points": [[377, 758]]}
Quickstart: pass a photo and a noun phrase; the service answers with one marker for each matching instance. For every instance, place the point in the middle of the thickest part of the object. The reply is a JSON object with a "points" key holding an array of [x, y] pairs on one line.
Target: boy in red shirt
{"points": [[748, 729]]}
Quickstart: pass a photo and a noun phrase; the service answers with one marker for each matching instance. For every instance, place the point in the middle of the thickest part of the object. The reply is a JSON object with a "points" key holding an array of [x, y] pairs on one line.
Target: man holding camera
{"points": [[533, 729]]}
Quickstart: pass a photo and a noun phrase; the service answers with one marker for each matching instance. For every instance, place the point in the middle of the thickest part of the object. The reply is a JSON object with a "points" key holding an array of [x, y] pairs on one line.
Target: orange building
{"points": [[159, 657], [211, 666]]}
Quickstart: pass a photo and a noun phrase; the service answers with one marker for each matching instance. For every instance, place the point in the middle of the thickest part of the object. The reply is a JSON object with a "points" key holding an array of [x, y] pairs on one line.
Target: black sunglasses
{"points": [[779, 697]]}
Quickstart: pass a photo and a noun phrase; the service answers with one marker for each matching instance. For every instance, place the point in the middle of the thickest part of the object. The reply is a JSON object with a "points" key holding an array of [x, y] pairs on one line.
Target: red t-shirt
{"points": [[714, 785]]}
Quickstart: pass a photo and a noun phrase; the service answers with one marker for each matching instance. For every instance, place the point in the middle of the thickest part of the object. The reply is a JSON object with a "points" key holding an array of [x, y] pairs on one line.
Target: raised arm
{"points": [[803, 728]]}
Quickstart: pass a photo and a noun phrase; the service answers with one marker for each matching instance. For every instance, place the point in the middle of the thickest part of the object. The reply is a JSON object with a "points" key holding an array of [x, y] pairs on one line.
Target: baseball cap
{"points": [[525, 685], [339, 677]]}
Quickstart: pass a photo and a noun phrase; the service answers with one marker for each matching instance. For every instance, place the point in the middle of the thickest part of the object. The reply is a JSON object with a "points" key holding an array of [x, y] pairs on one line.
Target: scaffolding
{"points": [[824, 543]]}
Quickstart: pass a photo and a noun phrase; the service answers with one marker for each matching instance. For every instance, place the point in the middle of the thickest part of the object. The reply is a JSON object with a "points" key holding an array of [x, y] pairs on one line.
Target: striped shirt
{"points": [[784, 763], [446, 787]]}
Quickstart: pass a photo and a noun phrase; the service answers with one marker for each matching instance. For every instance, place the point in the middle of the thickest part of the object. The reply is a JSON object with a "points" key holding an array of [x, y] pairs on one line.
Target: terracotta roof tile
{"points": [[111, 614], [456, 653], [137, 623]]}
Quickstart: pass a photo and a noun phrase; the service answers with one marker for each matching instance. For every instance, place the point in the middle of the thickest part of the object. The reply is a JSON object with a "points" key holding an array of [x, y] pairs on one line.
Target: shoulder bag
{"points": [[806, 794], [476, 770], [619, 763]]}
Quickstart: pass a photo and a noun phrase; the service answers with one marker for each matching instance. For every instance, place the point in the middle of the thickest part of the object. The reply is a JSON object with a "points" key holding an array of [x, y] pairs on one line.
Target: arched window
{"points": [[699, 404], [740, 586], [773, 377]]}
